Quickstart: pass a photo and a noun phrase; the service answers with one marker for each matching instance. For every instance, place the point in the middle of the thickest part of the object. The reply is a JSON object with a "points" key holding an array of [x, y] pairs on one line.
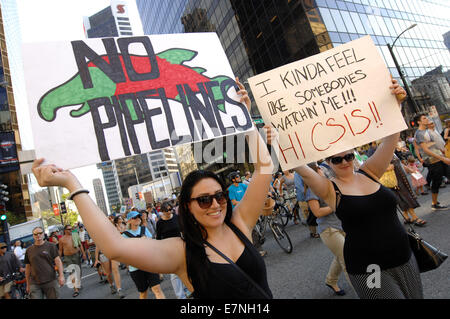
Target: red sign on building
{"points": [[56, 209]]}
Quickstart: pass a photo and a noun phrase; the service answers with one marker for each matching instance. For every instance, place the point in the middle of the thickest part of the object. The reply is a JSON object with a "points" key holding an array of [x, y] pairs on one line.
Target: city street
{"points": [[301, 274]]}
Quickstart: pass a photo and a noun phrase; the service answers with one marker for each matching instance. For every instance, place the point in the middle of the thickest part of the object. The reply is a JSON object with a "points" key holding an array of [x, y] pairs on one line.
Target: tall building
{"points": [[19, 203], [99, 195], [113, 21], [112, 186], [447, 39], [261, 35], [119, 175]]}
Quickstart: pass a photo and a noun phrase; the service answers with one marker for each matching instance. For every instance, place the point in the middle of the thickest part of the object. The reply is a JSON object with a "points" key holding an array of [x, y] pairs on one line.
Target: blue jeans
{"points": [[178, 286]]}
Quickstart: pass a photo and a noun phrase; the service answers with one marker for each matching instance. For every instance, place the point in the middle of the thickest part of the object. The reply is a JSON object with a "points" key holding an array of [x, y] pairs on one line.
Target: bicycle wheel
{"points": [[257, 234], [283, 215], [281, 237], [16, 293]]}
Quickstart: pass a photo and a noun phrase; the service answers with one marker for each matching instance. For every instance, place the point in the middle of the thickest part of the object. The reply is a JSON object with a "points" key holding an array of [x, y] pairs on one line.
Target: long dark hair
{"points": [[192, 232]]}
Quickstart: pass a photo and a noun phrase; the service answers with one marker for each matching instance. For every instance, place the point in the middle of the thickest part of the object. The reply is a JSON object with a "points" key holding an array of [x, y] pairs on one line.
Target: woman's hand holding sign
{"points": [[244, 95], [399, 92], [51, 175]]}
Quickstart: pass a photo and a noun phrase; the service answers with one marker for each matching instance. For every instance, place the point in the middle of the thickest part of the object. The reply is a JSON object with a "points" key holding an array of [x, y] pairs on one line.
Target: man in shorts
{"points": [[433, 156], [70, 249]]}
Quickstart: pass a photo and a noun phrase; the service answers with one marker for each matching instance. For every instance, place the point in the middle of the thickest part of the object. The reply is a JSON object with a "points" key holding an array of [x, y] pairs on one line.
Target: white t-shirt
{"points": [[82, 235], [19, 252]]}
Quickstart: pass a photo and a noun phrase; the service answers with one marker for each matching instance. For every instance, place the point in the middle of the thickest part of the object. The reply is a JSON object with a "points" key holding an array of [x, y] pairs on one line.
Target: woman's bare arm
{"points": [[162, 256]]}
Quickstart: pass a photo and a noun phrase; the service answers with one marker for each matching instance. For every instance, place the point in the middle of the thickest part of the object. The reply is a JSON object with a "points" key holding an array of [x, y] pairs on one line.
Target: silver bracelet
{"points": [[78, 191]]}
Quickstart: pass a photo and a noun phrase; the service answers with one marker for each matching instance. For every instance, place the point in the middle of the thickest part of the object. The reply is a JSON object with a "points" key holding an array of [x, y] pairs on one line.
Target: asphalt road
{"points": [[301, 274]]}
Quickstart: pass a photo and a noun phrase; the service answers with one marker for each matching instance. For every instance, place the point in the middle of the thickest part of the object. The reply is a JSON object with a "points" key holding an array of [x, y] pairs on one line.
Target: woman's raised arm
{"points": [[250, 207], [165, 256]]}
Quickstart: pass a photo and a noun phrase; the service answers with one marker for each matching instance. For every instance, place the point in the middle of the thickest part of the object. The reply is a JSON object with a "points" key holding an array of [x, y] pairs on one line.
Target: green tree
{"points": [[70, 218]]}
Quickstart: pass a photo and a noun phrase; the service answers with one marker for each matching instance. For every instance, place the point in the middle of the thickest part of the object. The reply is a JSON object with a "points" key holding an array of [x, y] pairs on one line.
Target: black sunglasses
{"points": [[338, 159], [205, 201]]}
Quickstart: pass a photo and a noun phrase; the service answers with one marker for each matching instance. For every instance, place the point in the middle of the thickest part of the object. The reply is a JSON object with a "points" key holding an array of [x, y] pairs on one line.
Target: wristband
{"points": [[78, 191]]}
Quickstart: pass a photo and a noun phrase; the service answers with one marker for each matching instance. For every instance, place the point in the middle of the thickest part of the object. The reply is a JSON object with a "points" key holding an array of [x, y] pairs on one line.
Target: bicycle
{"points": [[19, 288], [280, 235], [282, 210]]}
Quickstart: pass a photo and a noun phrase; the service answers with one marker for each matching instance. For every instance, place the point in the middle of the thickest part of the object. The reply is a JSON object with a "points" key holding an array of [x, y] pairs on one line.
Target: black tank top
{"points": [[374, 234], [225, 282]]}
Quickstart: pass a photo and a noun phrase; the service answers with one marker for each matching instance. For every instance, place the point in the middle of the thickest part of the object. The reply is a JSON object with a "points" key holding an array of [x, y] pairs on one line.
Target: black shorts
{"points": [[437, 171], [144, 280]]}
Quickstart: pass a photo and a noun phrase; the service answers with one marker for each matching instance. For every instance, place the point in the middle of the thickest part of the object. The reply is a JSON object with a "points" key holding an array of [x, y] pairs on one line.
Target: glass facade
{"points": [[102, 24], [259, 35], [165, 17], [418, 51], [19, 205]]}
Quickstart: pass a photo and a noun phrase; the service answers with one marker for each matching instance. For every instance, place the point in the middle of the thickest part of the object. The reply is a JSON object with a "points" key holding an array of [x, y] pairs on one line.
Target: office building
{"points": [[99, 195], [112, 186], [447, 40], [113, 21], [19, 203], [261, 35]]}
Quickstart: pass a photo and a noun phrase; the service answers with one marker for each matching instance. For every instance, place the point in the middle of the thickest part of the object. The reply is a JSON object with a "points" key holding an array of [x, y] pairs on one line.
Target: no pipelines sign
{"points": [[101, 99], [328, 103]]}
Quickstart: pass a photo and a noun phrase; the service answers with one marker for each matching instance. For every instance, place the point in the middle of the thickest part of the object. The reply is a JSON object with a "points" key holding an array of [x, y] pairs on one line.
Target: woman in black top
{"points": [[205, 215], [377, 254]]}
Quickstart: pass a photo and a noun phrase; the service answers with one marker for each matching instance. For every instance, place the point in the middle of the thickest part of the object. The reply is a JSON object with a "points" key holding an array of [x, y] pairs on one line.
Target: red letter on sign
{"points": [[292, 147]]}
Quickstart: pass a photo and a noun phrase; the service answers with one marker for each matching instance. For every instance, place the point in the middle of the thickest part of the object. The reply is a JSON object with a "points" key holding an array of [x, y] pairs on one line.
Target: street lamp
{"points": [[413, 106]]}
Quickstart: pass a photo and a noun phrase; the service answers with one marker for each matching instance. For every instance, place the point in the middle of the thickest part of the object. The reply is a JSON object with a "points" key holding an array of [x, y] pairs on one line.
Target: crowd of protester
{"points": [[205, 240]]}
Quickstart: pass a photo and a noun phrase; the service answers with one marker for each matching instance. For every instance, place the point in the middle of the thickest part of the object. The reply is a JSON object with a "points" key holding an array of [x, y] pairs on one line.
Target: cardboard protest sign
{"points": [[328, 103], [100, 99]]}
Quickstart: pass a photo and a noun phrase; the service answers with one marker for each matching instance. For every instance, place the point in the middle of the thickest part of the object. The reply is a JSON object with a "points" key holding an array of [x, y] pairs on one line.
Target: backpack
{"points": [[129, 234]]}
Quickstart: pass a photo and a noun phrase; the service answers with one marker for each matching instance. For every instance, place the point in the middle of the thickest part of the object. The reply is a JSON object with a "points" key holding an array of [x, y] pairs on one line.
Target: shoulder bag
{"points": [[240, 270], [428, 257]]}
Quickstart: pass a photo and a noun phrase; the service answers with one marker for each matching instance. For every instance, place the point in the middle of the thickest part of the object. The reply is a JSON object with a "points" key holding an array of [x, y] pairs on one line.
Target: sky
{"points": [[62, 20]]}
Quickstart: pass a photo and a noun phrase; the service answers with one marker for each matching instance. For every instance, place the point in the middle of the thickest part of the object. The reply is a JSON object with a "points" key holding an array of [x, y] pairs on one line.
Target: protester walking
{"points": [[84, 242], [142, 279], [40, 260], [168, 227], [19, 251], [301, 189], [287, 181], [206, 220], [236, 192], [375, 237], [446, 136], [417, 179], [9, 264], [405, 195], [70, 251], [331, 233], [432, 155], [237, 189]]}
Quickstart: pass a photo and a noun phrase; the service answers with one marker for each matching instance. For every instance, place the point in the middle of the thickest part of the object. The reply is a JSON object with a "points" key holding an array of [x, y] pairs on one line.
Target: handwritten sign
{"points": [[101, 99], [328, 103]]}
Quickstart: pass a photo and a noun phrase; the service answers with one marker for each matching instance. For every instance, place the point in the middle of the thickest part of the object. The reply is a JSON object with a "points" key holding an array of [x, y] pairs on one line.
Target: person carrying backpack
{"points": [[142, 279]]}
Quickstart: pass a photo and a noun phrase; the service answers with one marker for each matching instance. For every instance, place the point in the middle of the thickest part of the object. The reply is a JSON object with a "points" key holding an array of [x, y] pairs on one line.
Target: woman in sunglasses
{"points": [[376, 244], [206, 218]]}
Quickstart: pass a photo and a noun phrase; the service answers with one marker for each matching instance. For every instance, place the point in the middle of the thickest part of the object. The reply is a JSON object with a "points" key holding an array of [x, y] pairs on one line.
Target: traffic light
{"points": [[411, 123], [62, 206], [3, 193], [3, 217]]}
